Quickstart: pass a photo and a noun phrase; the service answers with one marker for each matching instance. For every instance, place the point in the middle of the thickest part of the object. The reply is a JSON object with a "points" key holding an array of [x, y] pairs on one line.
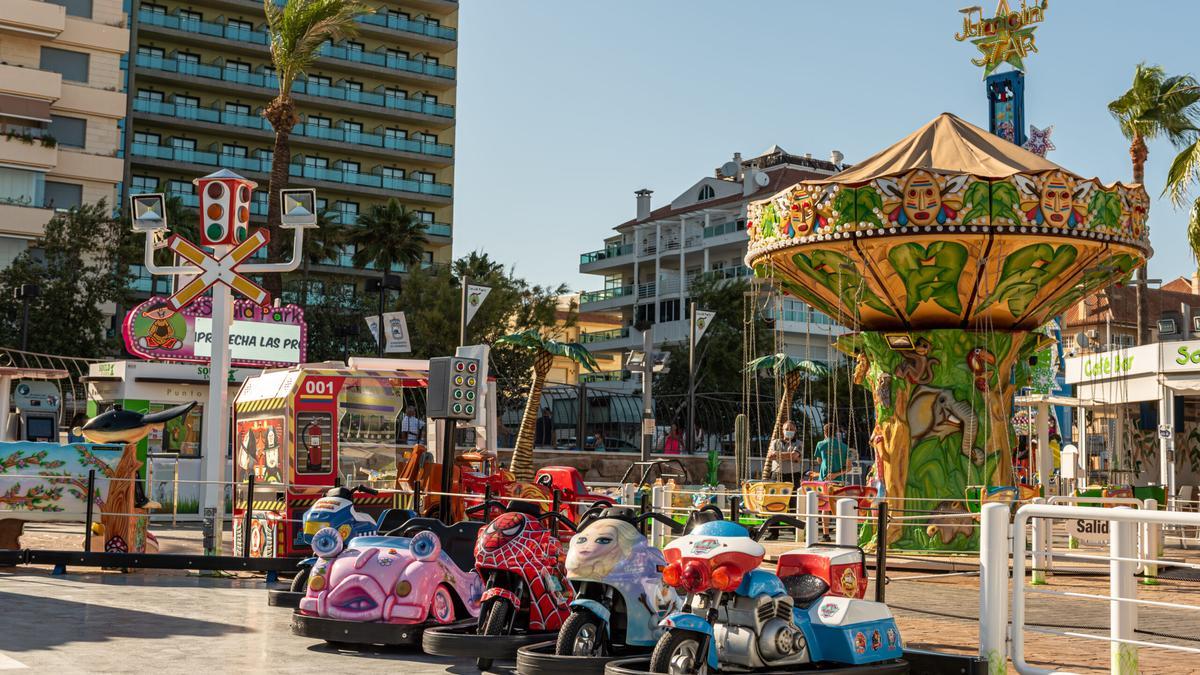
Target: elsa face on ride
{"points": [[600, 548]]}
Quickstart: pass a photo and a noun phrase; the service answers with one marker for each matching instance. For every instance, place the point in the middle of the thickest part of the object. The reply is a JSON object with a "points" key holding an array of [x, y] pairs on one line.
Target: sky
{"points": [[565, 107]]}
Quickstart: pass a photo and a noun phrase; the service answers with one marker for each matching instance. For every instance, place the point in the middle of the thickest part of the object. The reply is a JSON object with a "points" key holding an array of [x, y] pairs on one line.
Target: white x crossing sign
{"points": [[212, 270]]}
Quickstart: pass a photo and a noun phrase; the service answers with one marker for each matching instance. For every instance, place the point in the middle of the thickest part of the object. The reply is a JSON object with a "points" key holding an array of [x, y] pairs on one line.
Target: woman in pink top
{"points": [[673, 444]]}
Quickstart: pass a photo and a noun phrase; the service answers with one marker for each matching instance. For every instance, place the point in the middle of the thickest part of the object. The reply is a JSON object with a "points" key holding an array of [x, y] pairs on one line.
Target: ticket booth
{"points": [[302, 430]]}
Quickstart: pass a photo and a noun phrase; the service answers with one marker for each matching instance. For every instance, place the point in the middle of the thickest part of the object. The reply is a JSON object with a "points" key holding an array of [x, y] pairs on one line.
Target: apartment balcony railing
{"points": [[671, 245], [802, 316], [732, 272], [604, 335], [666, 286], [260, 37], [255, 164], [723, 228], [647, 290], [409, 26], [606, 253], [606, 294], [605, 376], [436, 229], [268, 81]]}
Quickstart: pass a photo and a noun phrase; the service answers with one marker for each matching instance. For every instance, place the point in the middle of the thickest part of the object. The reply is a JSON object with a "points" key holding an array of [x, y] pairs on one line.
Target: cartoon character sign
{"points": [[259, 448], [1053, 198], [162, 332], [923, 198]]}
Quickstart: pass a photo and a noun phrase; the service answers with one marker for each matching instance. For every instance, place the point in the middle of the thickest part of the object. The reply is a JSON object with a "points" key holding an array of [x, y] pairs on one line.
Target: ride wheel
{"points": [[493, 622], [582, 634]]}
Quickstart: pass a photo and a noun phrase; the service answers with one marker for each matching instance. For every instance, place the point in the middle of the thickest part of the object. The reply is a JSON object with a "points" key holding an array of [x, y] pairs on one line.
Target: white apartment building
{"points": [[649, 263], [61, 101]]}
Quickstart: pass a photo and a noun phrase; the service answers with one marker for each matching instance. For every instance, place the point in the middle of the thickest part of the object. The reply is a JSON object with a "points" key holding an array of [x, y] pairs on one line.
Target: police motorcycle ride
{"points": [[737, 617]]}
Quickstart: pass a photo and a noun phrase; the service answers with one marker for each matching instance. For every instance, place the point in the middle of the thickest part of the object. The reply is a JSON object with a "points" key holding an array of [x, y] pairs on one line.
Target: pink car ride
{"points": [[386, 589]]}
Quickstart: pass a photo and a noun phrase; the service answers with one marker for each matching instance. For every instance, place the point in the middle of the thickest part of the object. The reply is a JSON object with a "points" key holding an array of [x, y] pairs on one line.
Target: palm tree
{"points": [[385, 236], [321, 243], [793, 371], [296, 32], [545, 350], [1155, 106], [1184, 171]]}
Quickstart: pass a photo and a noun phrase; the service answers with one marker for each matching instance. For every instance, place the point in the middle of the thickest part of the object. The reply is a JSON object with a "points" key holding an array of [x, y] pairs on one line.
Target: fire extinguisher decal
{"points": [[314, 431]]}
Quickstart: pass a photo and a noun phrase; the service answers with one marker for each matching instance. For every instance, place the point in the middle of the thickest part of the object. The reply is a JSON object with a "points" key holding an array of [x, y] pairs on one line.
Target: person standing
{"points": [[674, 442], [833, 456], [412, 428], [543, 430], [598, 441], [785, 456]]}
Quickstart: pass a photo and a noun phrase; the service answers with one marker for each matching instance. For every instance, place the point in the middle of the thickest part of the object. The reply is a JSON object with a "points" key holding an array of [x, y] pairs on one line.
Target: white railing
{"points": [[1122, 561]]}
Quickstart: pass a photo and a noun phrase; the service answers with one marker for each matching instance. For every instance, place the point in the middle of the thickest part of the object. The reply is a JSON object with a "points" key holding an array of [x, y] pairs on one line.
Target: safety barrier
{"points": [[1122, 560]]}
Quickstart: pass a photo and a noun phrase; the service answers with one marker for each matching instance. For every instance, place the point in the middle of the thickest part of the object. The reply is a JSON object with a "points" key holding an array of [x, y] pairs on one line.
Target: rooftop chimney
{"points": [[643, 203]]}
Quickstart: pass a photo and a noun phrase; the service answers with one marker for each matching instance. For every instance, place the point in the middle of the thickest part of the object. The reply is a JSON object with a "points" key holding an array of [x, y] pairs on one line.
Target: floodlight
{"points": [[899, 341], [635, 359], [148, 212], [299, 207], [1167, 327]]}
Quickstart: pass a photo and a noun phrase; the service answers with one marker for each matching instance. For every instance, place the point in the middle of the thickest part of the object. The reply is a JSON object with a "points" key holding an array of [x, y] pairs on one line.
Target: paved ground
{"points": [[172, 622]]}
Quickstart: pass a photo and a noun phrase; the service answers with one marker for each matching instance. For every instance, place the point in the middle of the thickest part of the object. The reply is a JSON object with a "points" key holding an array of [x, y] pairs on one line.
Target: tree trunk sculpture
{"points": [[522, 457], [123, 533]]}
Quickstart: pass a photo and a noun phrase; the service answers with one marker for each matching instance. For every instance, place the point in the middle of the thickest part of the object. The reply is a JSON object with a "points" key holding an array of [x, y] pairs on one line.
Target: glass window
{"points": [[237, 108], [423, 176], [153, 8], [393, 92], [152, 52], [316, 162], [62, 196], [20, 187], [392, 132], [181, 187], [320, 80], [431, 60], [183, 143], [706, 192], [352, 127], [186, 101], [426, 138], [238, 66], [189, 15], [187, 57], [141, 184], [398, 54], [150, 95], [432, 21], [318, 121], [355, 47], [147, 138], [233, 150], [356, 87], [75, 7], [349, 167], [264, 156], [73, 66], [239, 25], [69, 131], [429, 98], [424, 216]]}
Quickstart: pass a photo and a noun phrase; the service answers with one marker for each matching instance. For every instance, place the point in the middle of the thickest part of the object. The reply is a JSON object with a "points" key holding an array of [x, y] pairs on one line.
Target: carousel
{"points": [[947, 254]]}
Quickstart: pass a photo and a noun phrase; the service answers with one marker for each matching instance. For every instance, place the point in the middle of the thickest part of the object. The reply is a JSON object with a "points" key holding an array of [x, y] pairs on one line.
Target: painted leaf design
{"points": [[930, 273], [769, 221], [845, 204], [868, 205], [839, 274], [1025, 272], [1005, 201], [978, 198], [1104, 209]]}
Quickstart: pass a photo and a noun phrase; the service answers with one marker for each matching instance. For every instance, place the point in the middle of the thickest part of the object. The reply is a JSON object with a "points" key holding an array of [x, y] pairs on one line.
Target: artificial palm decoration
{"points": [[793, 371], [545, 349], [296, 32], [1155, 106]]}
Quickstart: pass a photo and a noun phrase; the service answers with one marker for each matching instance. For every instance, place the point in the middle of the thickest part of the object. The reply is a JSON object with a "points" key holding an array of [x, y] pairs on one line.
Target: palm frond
{"points": [[1184, 172], [1193, 230], [532, 339], [298, 29], [783, 364]]}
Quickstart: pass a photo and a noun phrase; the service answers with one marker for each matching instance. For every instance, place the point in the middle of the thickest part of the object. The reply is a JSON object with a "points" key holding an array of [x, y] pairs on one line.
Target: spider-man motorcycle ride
{"points": [[335, 510], [526, 596], [737, 617], [619, 595]]}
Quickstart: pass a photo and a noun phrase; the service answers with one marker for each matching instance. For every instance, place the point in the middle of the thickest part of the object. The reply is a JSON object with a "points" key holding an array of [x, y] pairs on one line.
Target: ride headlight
{"points": [[312, 527]]}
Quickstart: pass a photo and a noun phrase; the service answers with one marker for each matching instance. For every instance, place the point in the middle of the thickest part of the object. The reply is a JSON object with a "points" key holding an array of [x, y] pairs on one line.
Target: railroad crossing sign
{"points": [[217, 270]]}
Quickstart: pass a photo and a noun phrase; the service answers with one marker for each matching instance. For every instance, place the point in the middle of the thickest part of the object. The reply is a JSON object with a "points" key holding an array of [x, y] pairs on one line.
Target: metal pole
{"points": [[462, 313], [881, 552], [581, 416], [993, 585], [249, 515], [215, 438], [447, 471], [691, 402], [91, 502], [647, 386], [382, 293], [24, 319]]}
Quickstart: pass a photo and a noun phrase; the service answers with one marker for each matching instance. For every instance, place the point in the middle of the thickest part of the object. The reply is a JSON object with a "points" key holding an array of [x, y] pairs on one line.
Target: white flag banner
{"points": [[396, 339], [703, 318], [475, 297]]}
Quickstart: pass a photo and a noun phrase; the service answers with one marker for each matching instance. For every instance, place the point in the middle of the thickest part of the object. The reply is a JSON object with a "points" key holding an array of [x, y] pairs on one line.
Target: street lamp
{"points": [[25, 293], [224, 229]]}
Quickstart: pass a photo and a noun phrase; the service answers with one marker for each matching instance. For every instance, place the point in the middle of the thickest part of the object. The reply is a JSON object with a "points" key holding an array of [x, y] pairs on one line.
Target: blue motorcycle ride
{"points": [[739, 617]]}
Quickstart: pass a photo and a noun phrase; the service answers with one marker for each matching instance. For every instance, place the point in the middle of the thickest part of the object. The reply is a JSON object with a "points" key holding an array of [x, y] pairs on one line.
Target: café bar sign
{"points": [[260, 336]]}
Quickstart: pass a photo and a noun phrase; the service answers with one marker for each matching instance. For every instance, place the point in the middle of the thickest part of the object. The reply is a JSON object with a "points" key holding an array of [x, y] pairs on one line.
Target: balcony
{"points": [[28, 152], [604, 335], [23, 220], [409, 26], [262, 166], [270, 85], [259, 123], [25, 17], [87, 100], [261, 38], [732, 272], [30, 82], [605, 376], [723, 229], [606, 254], [616, 293]]}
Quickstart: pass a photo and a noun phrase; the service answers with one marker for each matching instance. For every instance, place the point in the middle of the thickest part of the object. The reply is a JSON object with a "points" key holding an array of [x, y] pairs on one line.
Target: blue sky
{"points": [[566, 107]]}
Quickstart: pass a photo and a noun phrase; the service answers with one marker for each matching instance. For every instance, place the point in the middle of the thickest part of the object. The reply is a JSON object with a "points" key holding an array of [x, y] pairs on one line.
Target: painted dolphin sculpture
{"points": [[116, 425]]}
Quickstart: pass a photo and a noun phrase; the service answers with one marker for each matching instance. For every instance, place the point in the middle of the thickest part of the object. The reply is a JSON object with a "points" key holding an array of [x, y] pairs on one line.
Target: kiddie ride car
{"points": [[336, 511], [619, 595], [737, 617], [526, 596], [385, 589]]}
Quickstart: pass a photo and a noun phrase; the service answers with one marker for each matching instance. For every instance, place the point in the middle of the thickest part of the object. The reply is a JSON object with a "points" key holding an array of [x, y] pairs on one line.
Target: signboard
{"points": [[1089, 532], [396, 335], [475, 297], [260, 336], [703, 319], [258, 448]]}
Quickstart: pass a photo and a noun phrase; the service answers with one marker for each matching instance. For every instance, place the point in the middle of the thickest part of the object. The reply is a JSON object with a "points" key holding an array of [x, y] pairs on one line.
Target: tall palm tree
{"points": [[387, 235], [544, 350], [1184, 172], [296, 32], [794, 372], [1155, 106]]}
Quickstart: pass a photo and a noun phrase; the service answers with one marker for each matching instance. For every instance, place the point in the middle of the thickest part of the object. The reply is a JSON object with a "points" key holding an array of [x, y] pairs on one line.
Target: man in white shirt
{"points": [[412, 428], [785, 456]]}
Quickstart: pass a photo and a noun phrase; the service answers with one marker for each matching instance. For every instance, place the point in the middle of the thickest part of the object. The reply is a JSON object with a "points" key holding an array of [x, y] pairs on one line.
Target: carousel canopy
{"points": [[952, 227]]}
